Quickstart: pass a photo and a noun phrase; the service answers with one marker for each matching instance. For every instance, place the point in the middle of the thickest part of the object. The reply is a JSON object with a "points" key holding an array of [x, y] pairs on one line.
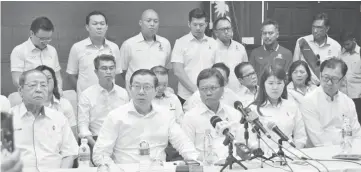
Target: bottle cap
{"points": [[144, 148], [84, 140]]}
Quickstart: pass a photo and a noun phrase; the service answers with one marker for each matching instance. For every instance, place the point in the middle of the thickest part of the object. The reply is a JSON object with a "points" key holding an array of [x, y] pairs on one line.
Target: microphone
{"points": [[214, 120], [251, 117], [243, 151], [272, 126]]}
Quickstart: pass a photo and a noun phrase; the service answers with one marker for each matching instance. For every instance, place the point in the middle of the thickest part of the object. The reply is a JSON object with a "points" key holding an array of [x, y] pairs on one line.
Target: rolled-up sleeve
{"points": [[181, 142], [56, 60], [84, 106], [69, 147], [17, 60], [125, 55], [177, 55], [118, 60], [103, 148], [299, 131], [73, 63]]}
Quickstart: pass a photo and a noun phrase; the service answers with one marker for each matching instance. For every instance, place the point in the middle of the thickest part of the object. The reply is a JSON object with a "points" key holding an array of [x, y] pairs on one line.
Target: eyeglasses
{"points": [[249, 75], [228, 29], [333, 80], [206, 89], [33, 85], [139, 87], [43, 39]]}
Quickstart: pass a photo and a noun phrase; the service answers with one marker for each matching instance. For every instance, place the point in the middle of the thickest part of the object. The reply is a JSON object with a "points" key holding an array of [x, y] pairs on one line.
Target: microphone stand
{"points": [[230, 160], [245, 125], [280, 153], [258, 153]]}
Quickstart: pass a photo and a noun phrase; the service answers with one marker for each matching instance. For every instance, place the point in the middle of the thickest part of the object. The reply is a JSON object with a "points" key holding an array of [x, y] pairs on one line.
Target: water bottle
{"points": [[346, 144], [209, 156], [84, 154], [144, 158]]}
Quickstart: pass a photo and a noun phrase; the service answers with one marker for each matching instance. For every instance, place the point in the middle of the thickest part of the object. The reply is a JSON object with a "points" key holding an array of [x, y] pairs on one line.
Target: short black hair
{"points": [[144, 72], [347, 36], [42, 23], [197, 13], [293, 67], [93, 13], [103, 57], [223, 67], [215, 23], [208, 73], [239, 67], [160, 70], [270, 22], [52, 72], [324, 17], [332, 63]]}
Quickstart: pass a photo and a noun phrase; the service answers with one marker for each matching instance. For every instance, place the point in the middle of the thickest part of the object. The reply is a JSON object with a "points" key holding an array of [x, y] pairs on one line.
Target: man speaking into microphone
{"points": [[196, 123]]}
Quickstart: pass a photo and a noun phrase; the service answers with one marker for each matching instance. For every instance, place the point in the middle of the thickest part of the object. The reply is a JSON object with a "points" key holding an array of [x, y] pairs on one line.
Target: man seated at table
{"points": [[248, 80], [228, 97], [140, 120], [323, 109], [196, 122], [42, 135]]}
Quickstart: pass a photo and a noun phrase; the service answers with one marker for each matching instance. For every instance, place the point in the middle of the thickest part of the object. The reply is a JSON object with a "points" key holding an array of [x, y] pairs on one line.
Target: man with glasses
{"points": [[192, 53], [196, 122], [271, 51], [248, 80], [81, 56], [140, 120], [98, 100], [229, 51], [42, 135], [36, 51], [324, 108], [322, 46]]}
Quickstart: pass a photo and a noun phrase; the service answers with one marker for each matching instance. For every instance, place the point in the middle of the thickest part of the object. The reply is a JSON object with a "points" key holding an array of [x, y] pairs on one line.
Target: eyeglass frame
{"points": [[206, 89], [32, 87], [228, 29], [330, 79], [249, 75], [139, 87], [42, 39]]}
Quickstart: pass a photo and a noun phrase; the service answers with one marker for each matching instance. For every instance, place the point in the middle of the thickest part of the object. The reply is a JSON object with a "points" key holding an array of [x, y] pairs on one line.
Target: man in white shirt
{"points": [[36, 51], [147, 49], [42, 135], [196, 122], [139, 120], [248, 80], [228, 97], [80, 63], [323, 109], [98, 100], [229, 51], [351, 55], [320, 43], [192, 53]]}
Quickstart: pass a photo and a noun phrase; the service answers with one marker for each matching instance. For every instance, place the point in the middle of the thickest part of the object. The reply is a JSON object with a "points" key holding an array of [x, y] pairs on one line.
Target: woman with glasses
{"points": [[54, 100], [299, 76], [273, 107]]}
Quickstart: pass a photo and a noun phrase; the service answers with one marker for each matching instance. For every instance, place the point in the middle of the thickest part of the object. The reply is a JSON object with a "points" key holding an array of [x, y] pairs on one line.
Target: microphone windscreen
{"points": [[237, 104], [271, 125], [215, 120]]}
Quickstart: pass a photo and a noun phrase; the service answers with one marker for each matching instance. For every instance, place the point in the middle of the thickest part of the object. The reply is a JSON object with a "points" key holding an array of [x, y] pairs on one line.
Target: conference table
{"points": [[324, 153]]}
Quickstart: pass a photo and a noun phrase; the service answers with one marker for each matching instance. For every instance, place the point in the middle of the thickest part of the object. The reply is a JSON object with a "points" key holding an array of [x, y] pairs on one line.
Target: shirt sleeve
{"points": [[84, 106], [125, 55], [17, 60], [168, 49], [56, 61], [356, 131], [288, 60], [69, 147], [103, 148], [181, 142], [188, 127], [118, 60], [73, 61], [244, 55], [177, 53], [68, 111], [297, 53], [178, 109], [299, 132]]}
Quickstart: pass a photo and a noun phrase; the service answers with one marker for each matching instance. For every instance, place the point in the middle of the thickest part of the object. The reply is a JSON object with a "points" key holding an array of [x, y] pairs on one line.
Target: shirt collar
{"points": [[322, 45], [205, 109], [268, 104], [89, 42], [276, 48], [102, 90], [133, 111], [190, 38], [23, 111], [245, 90], [221, 44], [30, 45], [140, 38], [355, 50]]}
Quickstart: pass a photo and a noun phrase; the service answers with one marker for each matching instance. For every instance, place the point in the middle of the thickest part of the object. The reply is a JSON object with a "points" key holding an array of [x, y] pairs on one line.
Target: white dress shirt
{"points": [[286, 115], [298, 95], [94, 105], [228, 98], [245, 95], [231, 56], [136, 54], [197, 121], [353, 76], [195, 55], [63, 105], [323, 117], [170, 101], [45, 140], [4, 104], [124, 128]]}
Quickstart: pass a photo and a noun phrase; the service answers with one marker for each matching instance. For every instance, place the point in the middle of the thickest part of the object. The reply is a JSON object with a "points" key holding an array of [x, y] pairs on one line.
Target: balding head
{"points": [[149, 23], [33, 87]]}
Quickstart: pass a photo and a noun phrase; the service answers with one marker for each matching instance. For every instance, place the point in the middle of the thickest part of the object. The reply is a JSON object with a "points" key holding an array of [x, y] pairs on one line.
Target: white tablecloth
{"points": [[253, 166]]}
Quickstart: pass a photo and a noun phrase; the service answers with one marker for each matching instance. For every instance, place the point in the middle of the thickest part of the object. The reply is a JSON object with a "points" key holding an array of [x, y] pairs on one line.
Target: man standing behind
{"points": [[192, 53], [318, 43], [147, 49], [248, 80], [36, 51], [98, 100], [229, 51], [271, 51], [82, 54]]}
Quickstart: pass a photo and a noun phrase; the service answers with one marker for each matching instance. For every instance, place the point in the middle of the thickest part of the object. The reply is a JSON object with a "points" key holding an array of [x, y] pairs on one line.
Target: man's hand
{"points": [[12, 163]]}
